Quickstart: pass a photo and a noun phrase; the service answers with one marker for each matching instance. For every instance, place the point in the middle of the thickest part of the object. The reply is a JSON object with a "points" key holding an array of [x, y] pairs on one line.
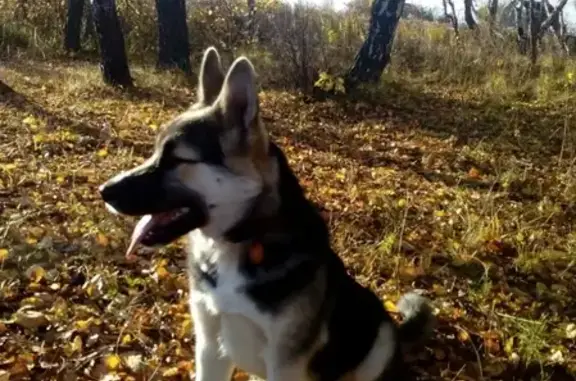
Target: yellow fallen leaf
{"points": [[35, 273], [126, 339], [509, 345], [162, 272], [8, 167], [171, 372], [474, 173], [30, 121], [463, 336], [102, 240], [77, 344], [82, 325], [3, 254], [571, 331], [103, 152], [390, 306], [439, 213], [112, 362], [185, 366], [185, 328]]}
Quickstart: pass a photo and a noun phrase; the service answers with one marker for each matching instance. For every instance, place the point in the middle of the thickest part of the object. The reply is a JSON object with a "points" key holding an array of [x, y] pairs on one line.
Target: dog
{"points": [[267, 293]]}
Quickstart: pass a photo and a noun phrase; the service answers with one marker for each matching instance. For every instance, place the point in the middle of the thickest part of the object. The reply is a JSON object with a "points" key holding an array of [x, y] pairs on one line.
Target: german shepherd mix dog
{"points": [[267, 293]]}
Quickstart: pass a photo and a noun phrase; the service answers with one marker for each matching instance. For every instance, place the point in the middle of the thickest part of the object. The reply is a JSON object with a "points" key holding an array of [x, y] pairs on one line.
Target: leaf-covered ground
{"points": [[468, 199]]}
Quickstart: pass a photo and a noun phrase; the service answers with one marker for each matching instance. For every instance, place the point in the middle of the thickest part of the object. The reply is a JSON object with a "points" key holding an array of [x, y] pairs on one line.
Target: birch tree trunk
{"points": [[374, 54]]}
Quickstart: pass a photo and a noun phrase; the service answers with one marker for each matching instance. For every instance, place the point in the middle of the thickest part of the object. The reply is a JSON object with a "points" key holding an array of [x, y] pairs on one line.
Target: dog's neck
{"points": [[281, 210]]}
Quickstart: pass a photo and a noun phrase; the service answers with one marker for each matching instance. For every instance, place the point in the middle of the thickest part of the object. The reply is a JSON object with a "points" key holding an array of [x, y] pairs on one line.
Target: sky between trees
{"points": [[436, 5]]}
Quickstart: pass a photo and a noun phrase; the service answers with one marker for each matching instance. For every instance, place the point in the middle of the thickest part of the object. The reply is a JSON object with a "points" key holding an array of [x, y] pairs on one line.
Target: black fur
{"points": [[296, 232]]}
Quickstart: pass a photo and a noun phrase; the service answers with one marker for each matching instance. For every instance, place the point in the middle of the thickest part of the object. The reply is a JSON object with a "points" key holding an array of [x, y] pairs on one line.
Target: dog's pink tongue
{"points": [[142, 227]]}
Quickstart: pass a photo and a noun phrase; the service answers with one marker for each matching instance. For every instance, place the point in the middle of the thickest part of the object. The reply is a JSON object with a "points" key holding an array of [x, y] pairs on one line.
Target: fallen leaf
{"points": [[171, 372], [474, 173], [390, 306], [557, 357], [162, 272], [3, 254], [112, 362], [30, 319], [35, 273], [77, 344], [571, 331], [463, 335], [133, 362], [102, 240]]}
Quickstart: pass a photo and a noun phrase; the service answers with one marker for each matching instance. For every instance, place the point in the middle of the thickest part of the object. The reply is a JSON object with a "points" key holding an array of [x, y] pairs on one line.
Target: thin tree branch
{"points": [[546, 24]]}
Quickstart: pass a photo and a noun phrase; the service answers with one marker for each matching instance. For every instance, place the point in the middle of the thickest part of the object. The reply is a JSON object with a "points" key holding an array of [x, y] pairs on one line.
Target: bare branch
{"points": [[546, 24]]}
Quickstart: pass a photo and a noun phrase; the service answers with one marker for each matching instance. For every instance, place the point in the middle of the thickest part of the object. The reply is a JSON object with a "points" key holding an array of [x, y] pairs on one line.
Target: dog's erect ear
{"points": [[211, 77], [239, 96]]}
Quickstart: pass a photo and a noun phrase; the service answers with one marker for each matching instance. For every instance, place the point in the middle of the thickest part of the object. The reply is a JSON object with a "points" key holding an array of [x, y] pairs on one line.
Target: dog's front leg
{"points": [[211, 364]]}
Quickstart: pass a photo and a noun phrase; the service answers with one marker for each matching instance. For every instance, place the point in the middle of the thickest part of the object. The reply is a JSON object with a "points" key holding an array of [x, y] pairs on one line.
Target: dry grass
{"points": [[441, 188]]}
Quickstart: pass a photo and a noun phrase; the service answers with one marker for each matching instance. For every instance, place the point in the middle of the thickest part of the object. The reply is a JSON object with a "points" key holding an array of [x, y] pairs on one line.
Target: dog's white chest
{"points": [[241, 326]]}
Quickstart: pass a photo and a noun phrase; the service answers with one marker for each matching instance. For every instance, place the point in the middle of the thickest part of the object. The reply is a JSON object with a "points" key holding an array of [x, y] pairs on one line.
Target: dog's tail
{"points": [[418, 318]]}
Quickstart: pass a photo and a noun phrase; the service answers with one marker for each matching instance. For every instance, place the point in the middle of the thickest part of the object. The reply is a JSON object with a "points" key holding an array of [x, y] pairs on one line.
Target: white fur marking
{"points": [[379, 356], [227, 195]]}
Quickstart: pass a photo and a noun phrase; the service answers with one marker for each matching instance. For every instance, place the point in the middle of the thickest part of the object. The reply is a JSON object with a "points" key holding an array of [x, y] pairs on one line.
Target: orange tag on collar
{"points": [[256, 253]]}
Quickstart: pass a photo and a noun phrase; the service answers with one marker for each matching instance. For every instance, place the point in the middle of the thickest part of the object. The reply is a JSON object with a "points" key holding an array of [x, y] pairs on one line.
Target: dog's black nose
{"points": [[108, 192]]}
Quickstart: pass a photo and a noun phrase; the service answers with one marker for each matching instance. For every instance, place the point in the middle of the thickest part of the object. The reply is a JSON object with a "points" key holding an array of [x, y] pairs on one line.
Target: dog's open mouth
{"points": [[163, 228]]}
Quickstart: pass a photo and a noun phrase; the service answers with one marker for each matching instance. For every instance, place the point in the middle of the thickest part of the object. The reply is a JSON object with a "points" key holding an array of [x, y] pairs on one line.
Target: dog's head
{"points": [[208, 165]]}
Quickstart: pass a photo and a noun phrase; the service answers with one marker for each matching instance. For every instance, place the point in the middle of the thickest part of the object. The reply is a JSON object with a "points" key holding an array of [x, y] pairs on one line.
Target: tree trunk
{"points": [[374, 54], [173, 47], [73, 25], [522, 28], [114, 64], [470, 14], [451, 15], [534, 32], [251, 20], [493, 12], [89, 31]]}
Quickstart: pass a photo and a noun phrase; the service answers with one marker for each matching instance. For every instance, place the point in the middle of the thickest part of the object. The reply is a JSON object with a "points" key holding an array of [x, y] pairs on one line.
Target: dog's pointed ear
{"points": [[239, 96], [211, 77]]}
